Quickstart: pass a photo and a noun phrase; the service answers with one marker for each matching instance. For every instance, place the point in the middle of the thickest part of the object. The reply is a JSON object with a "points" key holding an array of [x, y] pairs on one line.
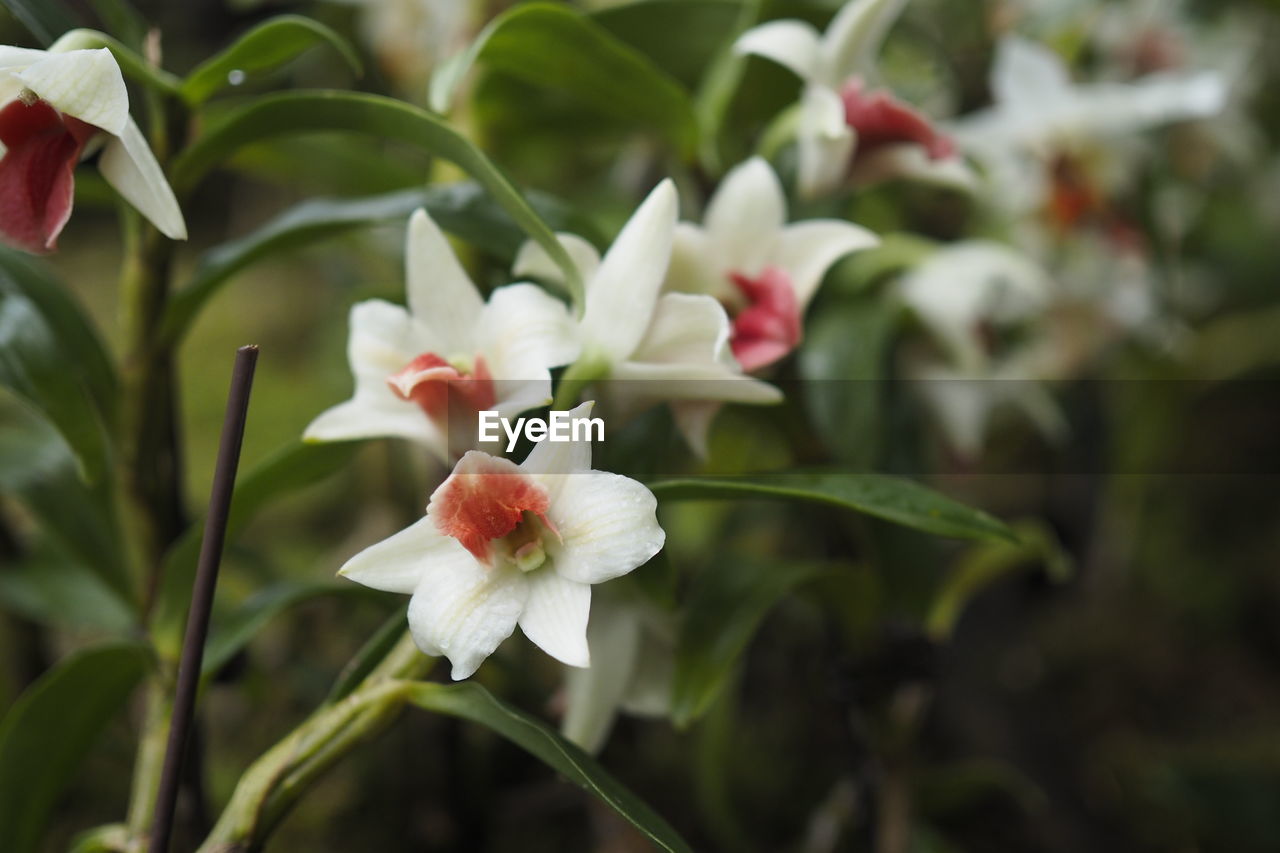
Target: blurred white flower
{"points": [[504, 545], [424, 373], [845, 130], [411, 37], [652, 347], [56, 107]]}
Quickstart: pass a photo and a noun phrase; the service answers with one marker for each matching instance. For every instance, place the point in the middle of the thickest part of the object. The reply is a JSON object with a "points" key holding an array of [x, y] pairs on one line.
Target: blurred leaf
{"points": [[369, 656], [843, 361], [132, 65], [470, 701], [556, 47], [727, 602], [462, 208], [123, 20], [679, 36], [50, 357], [289, 469], [890, 498], [268, 45], [232, 633], [49, 729], [46, 19], [332, 164], [48, 586], [299, 112], [988, 563], [860, 271]]}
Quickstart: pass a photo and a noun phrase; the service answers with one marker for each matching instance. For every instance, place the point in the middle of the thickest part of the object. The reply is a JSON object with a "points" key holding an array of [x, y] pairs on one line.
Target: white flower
{"points": [[762, 270], [422, 374], [1040, 115], [56, 106], [649, 345], [972, 297], [504, 545], [842, 126]]}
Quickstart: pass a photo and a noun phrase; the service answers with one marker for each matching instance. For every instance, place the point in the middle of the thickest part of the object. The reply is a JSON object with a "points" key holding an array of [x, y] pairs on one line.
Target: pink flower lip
{"points": [[769, 327], [485, 500], [881, 119]]}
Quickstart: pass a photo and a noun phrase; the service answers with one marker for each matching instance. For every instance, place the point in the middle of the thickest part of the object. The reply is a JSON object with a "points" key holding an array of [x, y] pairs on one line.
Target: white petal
{"points": [[128, 165], [555, 617], [534, 262], [687, 381], [649, 693], [593, 695], [12, 57], [744, 217], [465, 611], [694, 267], [693, 418], [85, 84], [686, 327], [607, 524], [622, 293], [808, 249], [371, 416], [824, 143], [962, 404], [523, 330], [1027, 75], [793, 44], [854, 35], [441, 295], [397, 564], [910, 161], [560, 457], [1154, 100]]}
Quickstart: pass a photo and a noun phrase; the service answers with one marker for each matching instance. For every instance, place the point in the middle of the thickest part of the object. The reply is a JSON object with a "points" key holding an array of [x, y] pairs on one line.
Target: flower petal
{"points": [[690, 382], [621, 295], [824, 143], [555, 617], [84, 84], [11, 57], [912, 162], [793, 44], [744, 217], [853, 37], [693, 418], [694, 268], [686, 327], [523, 330], [608, 526], [440, 293], [534, 262], [594, 694], [464, 611], [560, 457], [807, 250], [1027, 75], [128, 165], [396, 564]]}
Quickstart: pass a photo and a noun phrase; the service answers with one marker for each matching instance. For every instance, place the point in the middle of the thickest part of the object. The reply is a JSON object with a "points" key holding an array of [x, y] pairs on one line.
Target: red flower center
{"points": [[769, 327], [438, 386], [42, 147], [485, 500], [880, 119]]}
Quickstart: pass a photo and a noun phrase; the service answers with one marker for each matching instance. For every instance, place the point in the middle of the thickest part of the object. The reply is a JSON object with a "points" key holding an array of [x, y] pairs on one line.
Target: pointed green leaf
{"points": [[555, 47], [50, 356], [727, 602], [45, 19], [890, 498], [49, 729], [300, 112], [470, 701], [265, 47]]}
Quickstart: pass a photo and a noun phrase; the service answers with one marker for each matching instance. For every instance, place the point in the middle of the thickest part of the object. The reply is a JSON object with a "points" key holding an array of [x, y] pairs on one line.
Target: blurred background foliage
{"points": [[1132, 703]]}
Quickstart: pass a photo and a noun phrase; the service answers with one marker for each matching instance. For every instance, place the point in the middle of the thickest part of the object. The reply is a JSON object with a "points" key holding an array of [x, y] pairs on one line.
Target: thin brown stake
{"points": [[215, 532]]}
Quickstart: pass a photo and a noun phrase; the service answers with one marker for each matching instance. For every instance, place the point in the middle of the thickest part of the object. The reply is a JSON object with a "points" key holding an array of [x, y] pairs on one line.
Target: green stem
{"points": [[279, 778], [150, 757]]}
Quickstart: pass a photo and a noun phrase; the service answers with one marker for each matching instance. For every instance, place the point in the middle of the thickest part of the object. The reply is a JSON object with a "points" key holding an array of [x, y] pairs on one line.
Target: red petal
{"points": [[434, 384], [37, 180], [881, 119], [769, 327], [485, 499]]}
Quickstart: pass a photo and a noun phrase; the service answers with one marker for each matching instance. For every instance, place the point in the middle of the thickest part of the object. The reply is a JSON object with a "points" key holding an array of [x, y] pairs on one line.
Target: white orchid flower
{"points": [[969, 296], [844, 130], [57, 106], [1039, 115], [651, 346], [632, 666], [762, 270], [504, 545], [424, 373]]}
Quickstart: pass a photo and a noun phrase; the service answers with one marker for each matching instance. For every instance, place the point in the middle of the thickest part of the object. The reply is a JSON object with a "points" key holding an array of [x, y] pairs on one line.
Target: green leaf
{"points": [[46, 19], [132, 64], [50, 356], [462, 208], [679, 36], [470, 701], [265, 47], [50, 729], [228, 636], [556, 47], [988, 563], [123, 20], [727, 602], [291, 468], [368, 657], [890, 498], [48, 586], [299, 112]]}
